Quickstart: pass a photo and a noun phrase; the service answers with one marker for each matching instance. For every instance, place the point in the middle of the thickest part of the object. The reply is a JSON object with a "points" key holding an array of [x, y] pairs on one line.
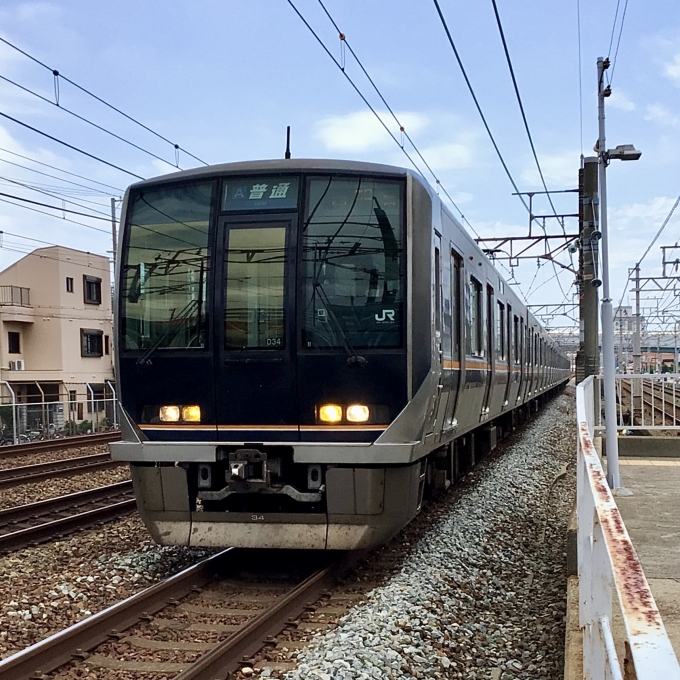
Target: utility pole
{"points": [[588, 355], [114, 236], [610, 415]]}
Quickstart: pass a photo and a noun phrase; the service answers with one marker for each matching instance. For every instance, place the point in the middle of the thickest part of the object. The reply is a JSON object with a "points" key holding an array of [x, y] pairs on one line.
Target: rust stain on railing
{"points": [[639, 609]]}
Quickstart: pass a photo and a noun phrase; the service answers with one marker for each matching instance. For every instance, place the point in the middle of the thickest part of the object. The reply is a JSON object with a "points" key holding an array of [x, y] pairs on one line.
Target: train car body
{"points": [[303, 347]]}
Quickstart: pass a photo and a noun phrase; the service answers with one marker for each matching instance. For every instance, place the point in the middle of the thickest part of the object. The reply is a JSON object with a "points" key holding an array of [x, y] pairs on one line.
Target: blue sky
{"points": [[223, 79]]}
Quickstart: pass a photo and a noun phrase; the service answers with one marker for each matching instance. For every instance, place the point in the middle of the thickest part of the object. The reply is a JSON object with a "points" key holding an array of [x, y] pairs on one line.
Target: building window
{"points": [[92, 288], [107, 345], [69, 284], [91, 344], [14, 342]]}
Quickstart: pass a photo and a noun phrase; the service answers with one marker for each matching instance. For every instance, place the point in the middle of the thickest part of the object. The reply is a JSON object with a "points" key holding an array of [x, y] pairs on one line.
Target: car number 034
{"points": [[257, 518]]}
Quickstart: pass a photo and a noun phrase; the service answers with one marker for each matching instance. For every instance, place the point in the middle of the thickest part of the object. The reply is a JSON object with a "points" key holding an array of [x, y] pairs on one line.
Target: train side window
{"points": [[500, 330], [475, 317], [516, 339]]}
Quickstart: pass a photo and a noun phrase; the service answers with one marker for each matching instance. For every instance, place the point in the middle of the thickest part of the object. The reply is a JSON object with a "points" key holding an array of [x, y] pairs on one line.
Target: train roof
{"points": [[281, 165]]}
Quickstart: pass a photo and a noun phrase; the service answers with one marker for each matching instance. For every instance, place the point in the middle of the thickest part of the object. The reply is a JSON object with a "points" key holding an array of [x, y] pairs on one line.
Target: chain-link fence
{"points": [[72, 409]]}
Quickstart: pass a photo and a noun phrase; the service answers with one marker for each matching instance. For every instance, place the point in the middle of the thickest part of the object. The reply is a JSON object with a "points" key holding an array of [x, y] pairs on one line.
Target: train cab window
{"points": [[475, 318], [352, 270], [254, 312], [165, 268], [500, 330]]}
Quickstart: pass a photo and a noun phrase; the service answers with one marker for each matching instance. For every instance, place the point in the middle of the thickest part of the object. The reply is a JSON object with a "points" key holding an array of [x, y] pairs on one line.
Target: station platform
{"points": [[652, 517]]}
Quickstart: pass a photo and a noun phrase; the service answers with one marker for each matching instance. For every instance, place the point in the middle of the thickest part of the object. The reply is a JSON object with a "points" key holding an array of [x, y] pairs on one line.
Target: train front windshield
{"points": [[350, 270], [352, 263]]}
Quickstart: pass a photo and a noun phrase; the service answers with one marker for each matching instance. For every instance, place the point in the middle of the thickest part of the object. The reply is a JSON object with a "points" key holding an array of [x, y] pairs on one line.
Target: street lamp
{"points": [[624, 152]]}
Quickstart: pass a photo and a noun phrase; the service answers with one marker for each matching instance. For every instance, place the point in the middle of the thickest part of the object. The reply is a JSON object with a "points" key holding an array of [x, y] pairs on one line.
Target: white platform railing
{"points": [[610, 572]]}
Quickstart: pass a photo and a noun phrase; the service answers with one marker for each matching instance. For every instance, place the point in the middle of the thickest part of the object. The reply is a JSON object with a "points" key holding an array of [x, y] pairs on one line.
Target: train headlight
{"points": [[358, 413], [169, 414], [330, 413], [191, 414]]}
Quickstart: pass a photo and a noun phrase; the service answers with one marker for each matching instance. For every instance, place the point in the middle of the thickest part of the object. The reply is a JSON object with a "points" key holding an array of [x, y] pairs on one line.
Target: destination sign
{"points": [[257, 193]]}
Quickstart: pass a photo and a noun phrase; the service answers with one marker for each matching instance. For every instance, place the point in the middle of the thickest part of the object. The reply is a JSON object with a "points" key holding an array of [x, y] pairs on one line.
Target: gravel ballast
{"points": [[52, 586], [482, 593]]}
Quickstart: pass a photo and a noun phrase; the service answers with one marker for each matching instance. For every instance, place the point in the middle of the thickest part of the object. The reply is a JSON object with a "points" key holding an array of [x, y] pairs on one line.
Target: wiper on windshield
{"points": [[353, 359], [171, 331]]}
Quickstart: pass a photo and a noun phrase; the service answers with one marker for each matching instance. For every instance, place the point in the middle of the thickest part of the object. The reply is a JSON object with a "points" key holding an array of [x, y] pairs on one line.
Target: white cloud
{"points": [[559, 170], [361, 131], [619, 100], [661, 114], [672, 69]]}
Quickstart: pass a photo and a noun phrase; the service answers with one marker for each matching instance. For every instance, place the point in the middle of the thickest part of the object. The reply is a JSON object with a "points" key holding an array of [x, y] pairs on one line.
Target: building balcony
{"points": [[15, 304], [17, 296]]}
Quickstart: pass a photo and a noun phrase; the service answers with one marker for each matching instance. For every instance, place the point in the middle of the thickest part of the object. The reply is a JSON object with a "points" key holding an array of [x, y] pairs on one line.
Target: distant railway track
{"points": [[59, 443], [663, 403], [68, 467], [242, 615], [49, 519]]}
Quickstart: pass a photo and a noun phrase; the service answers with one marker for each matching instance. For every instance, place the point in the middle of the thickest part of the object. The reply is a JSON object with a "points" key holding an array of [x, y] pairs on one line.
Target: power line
{"points": [[53, 195], [479, 108], [649, 247], [52, 167], [528, 131], [70, 146], [618, 42], [58, 217], [89, 122], [372, 109], [58, 75], [402, 129], [521, 106], [56, 207]]}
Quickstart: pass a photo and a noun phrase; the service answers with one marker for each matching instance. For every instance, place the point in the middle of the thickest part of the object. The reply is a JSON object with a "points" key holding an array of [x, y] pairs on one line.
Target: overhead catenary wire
{"points": [[481, 113], [70, 146], [402, 128], [651, 245], [89, 122], [58, 75], [477, 105], [527, 130], [618, 41], [54, 195], [372, 109], [59, 208], [53, 167]]}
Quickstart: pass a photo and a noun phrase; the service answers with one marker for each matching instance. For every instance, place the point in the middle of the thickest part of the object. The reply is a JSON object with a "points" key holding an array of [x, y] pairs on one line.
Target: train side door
{"points": [[441, 395], [491, 363], [256, 390], [454, 364]]}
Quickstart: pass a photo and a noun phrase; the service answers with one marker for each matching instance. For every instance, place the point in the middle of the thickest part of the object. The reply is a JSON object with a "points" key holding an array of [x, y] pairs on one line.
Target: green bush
{"points": [[85, 426]]}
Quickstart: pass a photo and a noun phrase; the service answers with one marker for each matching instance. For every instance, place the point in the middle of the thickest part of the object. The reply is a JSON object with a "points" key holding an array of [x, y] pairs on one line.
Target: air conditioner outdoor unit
{"points": [[17, 365]]}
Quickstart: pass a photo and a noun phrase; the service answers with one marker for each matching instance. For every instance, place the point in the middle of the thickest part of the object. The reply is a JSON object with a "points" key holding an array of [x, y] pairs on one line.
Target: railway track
{"points": [[201, 624], [662, 403], [59, 444], [60, 468], [46, 520]]}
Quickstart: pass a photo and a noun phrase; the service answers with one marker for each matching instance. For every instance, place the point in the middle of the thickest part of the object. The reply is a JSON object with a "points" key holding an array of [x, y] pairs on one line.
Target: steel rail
{"points": [[60, 648], [68, 467], [62, 503], [226, 656], [50, 530], [60, 443], [650, 398]]}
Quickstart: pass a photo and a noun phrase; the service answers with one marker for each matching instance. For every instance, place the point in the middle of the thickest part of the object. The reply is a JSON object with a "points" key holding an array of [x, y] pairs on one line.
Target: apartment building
{"points": [[55, 337]]}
